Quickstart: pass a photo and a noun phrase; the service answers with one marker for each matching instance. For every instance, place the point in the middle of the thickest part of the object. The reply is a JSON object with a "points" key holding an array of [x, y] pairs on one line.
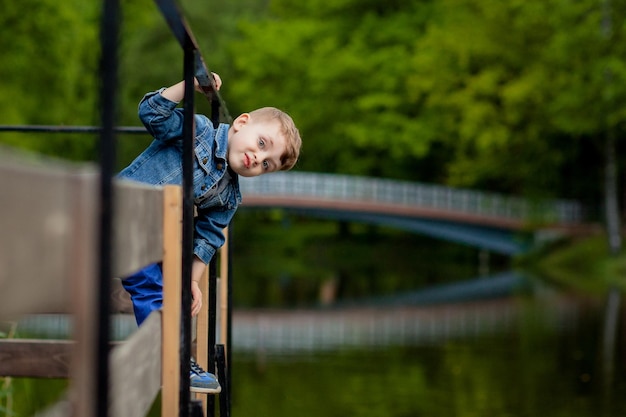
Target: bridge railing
{"points": [[410, 194], [78, 262], [48, 264]]}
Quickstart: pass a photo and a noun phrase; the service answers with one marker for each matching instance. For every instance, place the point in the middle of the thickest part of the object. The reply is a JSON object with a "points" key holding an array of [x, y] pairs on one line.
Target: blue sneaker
{"points": [[202, 381]]}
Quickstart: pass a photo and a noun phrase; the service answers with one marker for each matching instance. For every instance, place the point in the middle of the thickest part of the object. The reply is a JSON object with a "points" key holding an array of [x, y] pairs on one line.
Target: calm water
{"points": [[539, 354], [543, 360]]}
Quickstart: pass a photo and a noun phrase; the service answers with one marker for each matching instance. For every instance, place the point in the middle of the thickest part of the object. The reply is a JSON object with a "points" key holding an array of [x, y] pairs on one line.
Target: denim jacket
{"points": [[161, 163]]}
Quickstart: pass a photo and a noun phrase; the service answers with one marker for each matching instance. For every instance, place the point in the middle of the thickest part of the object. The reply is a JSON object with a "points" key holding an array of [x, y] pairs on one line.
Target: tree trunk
{"points": [[610, 197]]}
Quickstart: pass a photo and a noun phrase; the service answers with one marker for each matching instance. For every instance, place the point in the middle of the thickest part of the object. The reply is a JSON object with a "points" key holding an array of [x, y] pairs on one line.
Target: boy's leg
{"points": [[146, 291]]}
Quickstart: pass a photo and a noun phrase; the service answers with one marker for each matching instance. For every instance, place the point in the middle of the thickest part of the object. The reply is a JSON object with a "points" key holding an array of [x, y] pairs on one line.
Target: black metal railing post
{"points": [[220, 359], [108, 74], [194, 66], [212, 330], [188, 208], [229, 313]]}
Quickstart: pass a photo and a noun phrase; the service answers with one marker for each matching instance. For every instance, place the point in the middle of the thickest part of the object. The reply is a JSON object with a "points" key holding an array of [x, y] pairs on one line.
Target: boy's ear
{"points": [[241, 120]]}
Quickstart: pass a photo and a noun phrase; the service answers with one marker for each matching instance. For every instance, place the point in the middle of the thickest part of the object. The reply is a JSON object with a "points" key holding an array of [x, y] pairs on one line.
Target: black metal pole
{"points": [[211, 333], [108, 84], [229, 312], [70, 129], [192, 59], [215, 112], [220, 358], [187, 256], [212, 294]]}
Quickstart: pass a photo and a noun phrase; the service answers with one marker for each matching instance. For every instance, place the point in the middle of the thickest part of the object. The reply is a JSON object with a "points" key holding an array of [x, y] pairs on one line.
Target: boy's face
{"points": [[255, 148]]}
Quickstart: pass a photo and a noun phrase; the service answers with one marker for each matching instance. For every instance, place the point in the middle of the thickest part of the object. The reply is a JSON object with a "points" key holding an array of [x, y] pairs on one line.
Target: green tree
{"points": [[48, 71], [150, 56], [340, 69], [515, 86], [513, 96], [510, 97]]}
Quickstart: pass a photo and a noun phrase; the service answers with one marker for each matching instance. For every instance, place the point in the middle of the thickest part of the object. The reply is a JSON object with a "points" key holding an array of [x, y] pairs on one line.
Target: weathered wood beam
{"points": [[172, 313], [137, 226], [42, 243], [38, 228], [35, 358], [136, 370]]}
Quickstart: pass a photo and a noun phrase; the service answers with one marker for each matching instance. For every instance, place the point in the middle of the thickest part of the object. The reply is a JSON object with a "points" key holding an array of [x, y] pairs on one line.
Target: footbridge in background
{"points": [[495, 222]]}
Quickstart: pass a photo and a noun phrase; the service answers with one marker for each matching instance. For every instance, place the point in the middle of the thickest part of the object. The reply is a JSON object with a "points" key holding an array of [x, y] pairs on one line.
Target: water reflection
{"points": [[531, 354], [525, 350], [440, 313]]}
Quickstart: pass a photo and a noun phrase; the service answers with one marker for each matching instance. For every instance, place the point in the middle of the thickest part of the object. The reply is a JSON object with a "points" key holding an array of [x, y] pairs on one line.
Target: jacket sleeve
{"points": [[161, 117], [209, 231]]}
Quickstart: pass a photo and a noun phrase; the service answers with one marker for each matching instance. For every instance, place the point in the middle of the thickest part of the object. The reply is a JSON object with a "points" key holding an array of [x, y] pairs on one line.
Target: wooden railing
{"points": [[48, 262], [61, 246]]}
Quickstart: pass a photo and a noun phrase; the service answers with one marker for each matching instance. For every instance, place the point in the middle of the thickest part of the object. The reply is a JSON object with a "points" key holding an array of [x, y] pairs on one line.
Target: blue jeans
{"points": [[146, 291]]}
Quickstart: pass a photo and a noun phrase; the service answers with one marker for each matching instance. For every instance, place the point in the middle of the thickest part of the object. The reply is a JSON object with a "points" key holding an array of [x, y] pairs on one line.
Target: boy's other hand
{"points": [[216, 80], [196, 298]]}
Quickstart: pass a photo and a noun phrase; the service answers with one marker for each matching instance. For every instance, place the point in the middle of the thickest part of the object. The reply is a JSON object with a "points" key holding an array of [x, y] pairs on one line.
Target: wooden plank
{"points": [[172, 277], [135, 370], [223, 294], [138, 226], [36, 233], [202, 331], [202, 323], [35, 358], [83, 289], [36, 239]]}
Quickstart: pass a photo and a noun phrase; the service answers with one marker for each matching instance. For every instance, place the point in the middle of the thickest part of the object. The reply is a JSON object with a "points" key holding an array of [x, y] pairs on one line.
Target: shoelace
{"points": [[195, 368]]}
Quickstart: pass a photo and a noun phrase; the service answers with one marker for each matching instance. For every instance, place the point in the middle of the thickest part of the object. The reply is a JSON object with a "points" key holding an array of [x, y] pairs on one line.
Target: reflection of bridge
{"points": [[281, 332], [447, 312], [481, 219]]}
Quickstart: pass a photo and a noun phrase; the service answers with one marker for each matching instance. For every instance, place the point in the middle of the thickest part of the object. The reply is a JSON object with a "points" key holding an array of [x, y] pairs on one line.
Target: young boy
{"points": [[262, 141]]}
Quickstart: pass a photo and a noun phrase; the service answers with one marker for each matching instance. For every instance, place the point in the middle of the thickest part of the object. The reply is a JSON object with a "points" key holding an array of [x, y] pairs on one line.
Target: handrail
{"points": [[70, 129], [185, 38], [108, 71], [193, 67], [336, 187]]}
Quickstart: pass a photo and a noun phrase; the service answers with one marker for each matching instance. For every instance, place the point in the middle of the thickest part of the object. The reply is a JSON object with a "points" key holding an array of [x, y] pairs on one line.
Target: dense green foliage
{"points": [[341, 68], [48, 71], [584, 265], [517, 87], [284, 260], [21, 397], [49, 62], [509, 96], [516, 96]]}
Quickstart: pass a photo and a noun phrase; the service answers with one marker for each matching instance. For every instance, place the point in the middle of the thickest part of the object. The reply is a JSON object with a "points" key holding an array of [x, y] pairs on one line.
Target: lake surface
{"points": [[545, 358], [529, 351]]}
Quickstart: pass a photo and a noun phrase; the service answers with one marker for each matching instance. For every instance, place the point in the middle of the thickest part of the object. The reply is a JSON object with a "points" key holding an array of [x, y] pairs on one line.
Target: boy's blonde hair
{"points": [[293, 142]]}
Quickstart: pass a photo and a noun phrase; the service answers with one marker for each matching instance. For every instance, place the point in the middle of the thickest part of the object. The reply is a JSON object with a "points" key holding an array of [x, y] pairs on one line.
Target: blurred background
{"points": [[525, 98]]}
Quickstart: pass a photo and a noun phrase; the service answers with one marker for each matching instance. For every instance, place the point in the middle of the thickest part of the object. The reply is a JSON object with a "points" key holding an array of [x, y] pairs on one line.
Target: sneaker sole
{"points": [[206, 390]]}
